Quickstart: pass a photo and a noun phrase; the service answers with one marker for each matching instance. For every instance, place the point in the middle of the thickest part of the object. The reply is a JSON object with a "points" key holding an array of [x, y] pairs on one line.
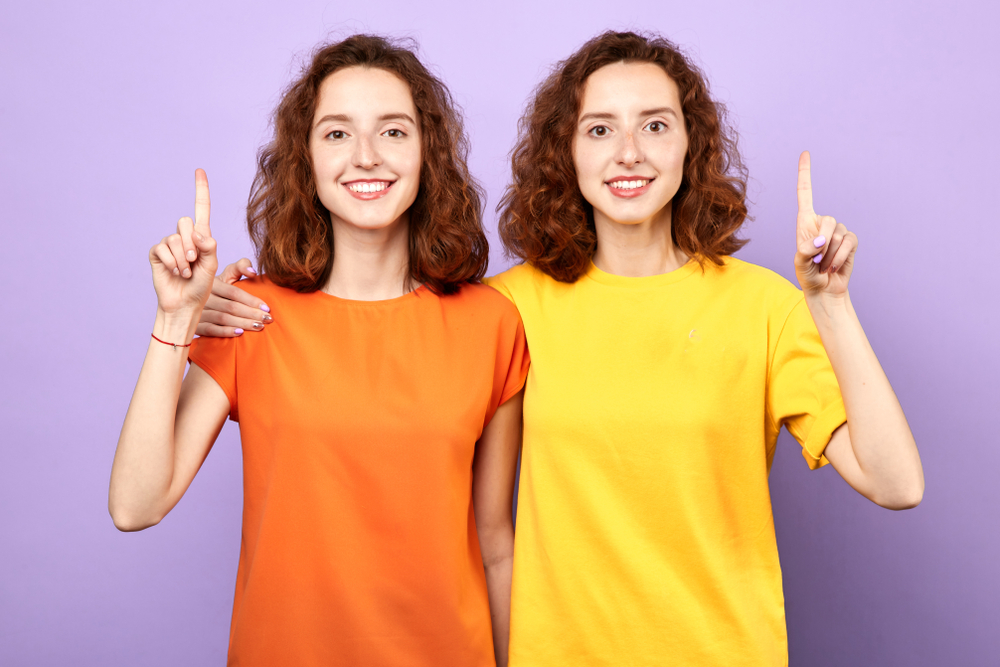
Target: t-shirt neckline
{"points": [[659, 280], [384, 303]]}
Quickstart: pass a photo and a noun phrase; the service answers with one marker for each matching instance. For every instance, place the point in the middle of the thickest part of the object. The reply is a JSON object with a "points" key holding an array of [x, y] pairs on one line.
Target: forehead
{"points": [[361, 92], [622, 87]]}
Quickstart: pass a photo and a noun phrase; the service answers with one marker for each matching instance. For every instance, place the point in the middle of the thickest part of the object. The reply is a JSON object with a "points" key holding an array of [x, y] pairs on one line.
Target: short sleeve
{"points": [[510, 369], [802, 390], [217, 357]]}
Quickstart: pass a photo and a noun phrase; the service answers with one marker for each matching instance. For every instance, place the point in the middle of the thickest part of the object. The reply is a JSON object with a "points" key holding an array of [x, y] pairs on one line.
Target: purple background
{"points": [[107, 108]]}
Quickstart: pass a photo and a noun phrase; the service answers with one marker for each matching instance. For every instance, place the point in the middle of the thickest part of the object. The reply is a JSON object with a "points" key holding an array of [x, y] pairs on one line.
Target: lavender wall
{"points": [[107, 108]]}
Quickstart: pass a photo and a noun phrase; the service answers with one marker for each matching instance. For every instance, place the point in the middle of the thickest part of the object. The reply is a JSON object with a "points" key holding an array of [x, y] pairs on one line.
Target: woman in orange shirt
{"points": [[383, 405]]}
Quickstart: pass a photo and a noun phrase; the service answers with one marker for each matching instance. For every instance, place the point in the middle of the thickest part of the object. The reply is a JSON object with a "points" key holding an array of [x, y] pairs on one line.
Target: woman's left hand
{"points": [[825, 254]]}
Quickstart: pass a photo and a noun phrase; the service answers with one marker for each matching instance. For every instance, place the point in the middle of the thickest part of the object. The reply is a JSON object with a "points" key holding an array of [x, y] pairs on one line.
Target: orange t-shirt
{"points": [[359, 421]]}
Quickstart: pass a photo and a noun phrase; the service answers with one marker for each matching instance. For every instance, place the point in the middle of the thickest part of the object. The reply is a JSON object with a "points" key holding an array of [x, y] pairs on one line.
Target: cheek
{"points": [[586, 159], [588, 164]]}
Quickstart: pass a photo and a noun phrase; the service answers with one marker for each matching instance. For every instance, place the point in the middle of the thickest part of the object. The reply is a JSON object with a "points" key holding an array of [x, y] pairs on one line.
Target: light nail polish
{"points": [[818, 258], [237, 331], [264, 307], [268, 318], [819, 241], [191, 255], [257, 325], [176, 272], [251, 270], [187, 273]]}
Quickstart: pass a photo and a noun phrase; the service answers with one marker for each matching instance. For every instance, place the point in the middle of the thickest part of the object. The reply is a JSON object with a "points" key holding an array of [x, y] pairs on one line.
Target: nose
{"points": [[629, 152], [366, 155]]}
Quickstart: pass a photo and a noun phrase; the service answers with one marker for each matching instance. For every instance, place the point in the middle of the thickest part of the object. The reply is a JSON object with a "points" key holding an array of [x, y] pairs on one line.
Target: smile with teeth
{"points": [[369, 186], [629, 185]]}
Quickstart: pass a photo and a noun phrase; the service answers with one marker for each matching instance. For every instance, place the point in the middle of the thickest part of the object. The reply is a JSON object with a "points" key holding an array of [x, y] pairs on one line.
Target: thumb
{"points": [[245, 267], [231, 273], [207, 258], [809, 253]]}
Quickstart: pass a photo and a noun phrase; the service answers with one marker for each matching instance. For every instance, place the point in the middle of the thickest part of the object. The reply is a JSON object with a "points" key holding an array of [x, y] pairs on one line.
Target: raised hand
{"points": [[184, 263], [825, 254], [230, 311]]}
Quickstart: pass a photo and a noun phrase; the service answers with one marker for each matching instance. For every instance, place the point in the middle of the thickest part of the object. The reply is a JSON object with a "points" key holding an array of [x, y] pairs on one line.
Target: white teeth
{"points": [[628, 185], [368, 187]]}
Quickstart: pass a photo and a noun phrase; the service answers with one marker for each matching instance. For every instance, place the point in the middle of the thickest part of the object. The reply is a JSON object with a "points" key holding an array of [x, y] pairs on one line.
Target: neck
{"points": [[370, 264], [637, 250]]}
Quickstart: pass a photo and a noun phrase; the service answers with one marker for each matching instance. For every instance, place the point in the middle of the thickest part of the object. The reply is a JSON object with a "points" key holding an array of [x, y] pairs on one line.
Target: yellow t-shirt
{"points": [[651, 411]]}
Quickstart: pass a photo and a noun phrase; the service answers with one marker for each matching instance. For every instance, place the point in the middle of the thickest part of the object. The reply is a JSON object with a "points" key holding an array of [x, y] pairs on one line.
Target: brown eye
{"points": [[656, 126], [336, 134], [599, 131], [394, 134]]}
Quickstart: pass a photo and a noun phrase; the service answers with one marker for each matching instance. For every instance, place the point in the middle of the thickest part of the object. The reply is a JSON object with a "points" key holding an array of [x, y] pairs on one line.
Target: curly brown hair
{"points": [[289, 226], [544, 219]]}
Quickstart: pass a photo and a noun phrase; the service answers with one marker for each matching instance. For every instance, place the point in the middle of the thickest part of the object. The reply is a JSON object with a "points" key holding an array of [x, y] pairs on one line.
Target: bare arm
{"points": [[493, 496], [170, 425], [875, 451]]}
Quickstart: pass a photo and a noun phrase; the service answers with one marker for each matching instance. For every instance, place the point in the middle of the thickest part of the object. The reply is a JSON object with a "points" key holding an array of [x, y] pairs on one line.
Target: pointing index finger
{"points": [[805, 184], [202, 203]]}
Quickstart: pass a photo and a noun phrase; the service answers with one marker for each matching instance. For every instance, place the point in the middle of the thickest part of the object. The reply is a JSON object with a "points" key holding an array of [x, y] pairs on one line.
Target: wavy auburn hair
{"points": [[544, 219], [289, 226]]}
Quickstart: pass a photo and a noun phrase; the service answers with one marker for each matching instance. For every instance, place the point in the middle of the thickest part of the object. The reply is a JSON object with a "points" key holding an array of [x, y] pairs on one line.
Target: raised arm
{"points": [[493, 497], [874, 451], [170, 425]]}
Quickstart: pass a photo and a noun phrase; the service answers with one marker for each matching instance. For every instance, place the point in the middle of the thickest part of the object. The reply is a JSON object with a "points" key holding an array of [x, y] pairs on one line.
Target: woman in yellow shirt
{"points": [[662, 370]]}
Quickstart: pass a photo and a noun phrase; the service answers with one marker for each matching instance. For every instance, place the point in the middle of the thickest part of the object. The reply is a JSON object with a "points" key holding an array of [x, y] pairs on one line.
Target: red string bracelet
{"points": [[175, 345]]}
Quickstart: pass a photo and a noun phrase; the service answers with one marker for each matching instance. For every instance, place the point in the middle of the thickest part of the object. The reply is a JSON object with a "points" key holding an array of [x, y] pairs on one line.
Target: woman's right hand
{"points": [[230, 311], [184, 263]]}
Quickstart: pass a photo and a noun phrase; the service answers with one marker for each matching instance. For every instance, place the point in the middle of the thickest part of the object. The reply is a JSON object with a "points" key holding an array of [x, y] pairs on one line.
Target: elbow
{"points": [[903, 499], [129, 521], [496, 546]]}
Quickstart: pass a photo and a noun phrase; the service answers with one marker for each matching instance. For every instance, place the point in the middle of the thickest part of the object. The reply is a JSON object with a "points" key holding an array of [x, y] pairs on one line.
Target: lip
{"points": [[631, 193], [368, 196]]}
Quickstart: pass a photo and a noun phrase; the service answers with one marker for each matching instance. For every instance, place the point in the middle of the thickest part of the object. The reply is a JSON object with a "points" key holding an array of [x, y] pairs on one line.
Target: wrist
{"points": [[831, 308], [176, 327]]}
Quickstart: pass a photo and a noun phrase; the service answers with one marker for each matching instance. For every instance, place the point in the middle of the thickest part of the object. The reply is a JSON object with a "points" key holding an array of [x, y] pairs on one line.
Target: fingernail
{"points": [[191, 255], [257, 325], [197, 236], [237, 331], [268, 318], [176, 272], [818, 258], [819, 241], [833, 269], [251, 270], [187, 273], [264, 307]]}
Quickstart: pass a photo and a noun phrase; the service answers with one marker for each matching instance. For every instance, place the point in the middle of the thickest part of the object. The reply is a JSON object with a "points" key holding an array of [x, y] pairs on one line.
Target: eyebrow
{"points": [[600, 115], [344, 118]]}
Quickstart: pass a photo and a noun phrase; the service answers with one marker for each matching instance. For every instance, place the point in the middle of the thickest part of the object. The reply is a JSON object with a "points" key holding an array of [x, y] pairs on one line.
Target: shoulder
{"points": [[520, 280], [262, 285], [482, 299], [264, 289], [749, 280]]}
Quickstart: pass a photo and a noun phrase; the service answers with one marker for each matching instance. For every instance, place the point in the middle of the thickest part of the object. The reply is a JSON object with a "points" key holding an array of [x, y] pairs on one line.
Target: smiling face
{"points": [[630, 143], [365, 147]]}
